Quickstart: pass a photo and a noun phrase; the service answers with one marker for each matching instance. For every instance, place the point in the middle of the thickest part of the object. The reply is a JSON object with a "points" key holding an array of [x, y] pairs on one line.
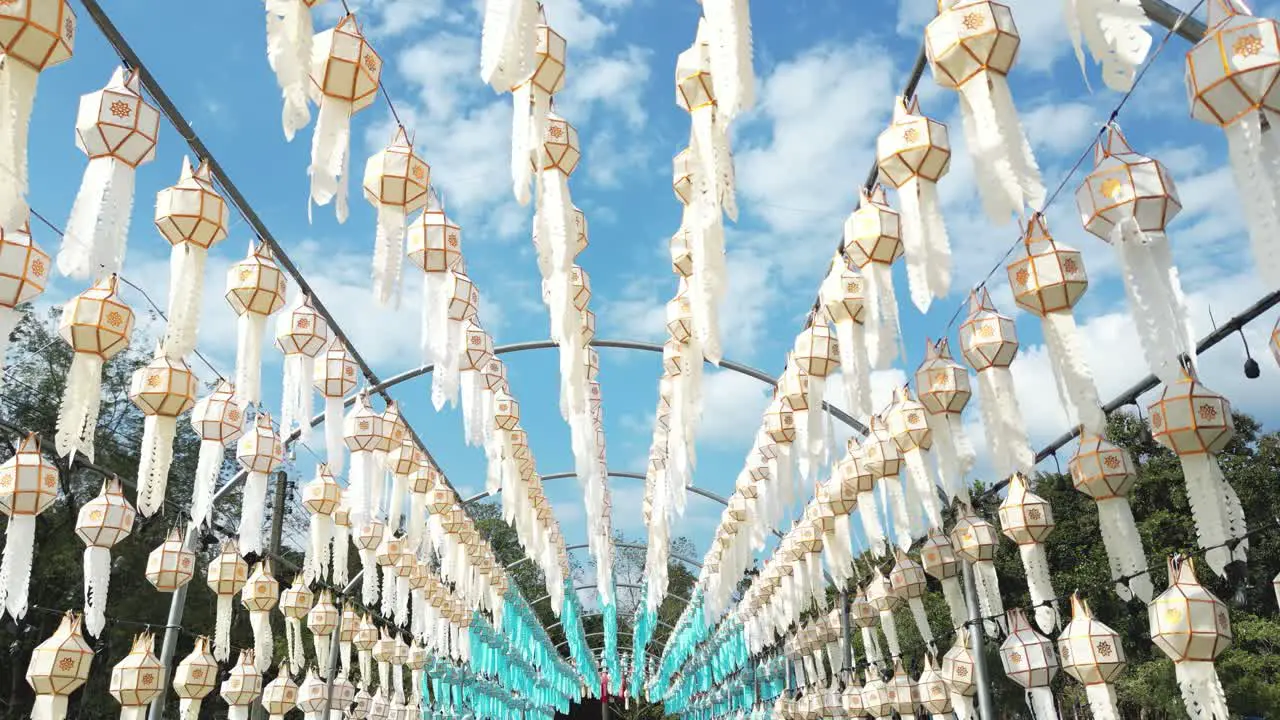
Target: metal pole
{"points": [[335, 649], [986, 708], [177, 606], [256, 710], [846, 632]]}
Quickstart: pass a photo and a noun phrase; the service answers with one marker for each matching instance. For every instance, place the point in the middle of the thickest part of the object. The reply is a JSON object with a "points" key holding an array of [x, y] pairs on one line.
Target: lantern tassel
{"points": [[1124, 548], [316, 563], [366, 668], [447, 345], [914, 245], [417, 519], [1036, 564], [1155, 294], [851, 340], [870, 646], [251, 327], [1017, 145], [1002, 421], [289, 32], [709, 281], [81, 400], [263, 642], [17, 98], [155, 457], [97, 579], [1041, 703], [252, 513], [523, 141], [922, 623], [50, 707], [94, 243], [222, 630], [208, 466], [359, 491], [296, 401], [574, 387], [339, 553], [884, 339], [402, 600], [899, 515], [388, 592], [997, 183], [344, 655], [944, 450], [473, 406], [334, 444], [1208, 507], [508, 42], [871, 524], [1113, 31], [989, 602], [321, 645], [331, 156], [369, 578], [1258, 189], [186, 293], [954, 596], [890, 627], [925, 490], [293, 641], [1076, 388], [731, 54], [1102, 701], [963, 705], [388, 254]]}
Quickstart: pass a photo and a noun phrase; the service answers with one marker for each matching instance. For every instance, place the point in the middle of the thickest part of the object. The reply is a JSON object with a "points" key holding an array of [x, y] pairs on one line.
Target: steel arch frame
{"points": [[633, 546]]}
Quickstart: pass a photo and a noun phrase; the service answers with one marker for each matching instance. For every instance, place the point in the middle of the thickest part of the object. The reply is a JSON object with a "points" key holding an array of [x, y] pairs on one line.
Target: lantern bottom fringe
{"points": [[523, 140], [293, 642], [989, 602], [1102, 701], [1155, 296], [854, 368], [155, 456], [446, 347], [331, 155], [388, 254], [341, 548], [474, 406], [186, 293], [1204, 482], [922, 623], [315, 563], [709, 280], [1202, 692], [1115, 34], [296, 396], [1035, 563], [871, 525], [921, 222], [333, 439], [97, 579], [234, 712], [321, 645], [289, 32], [222, 629], [18, 82], [81, 402], [49, 707], [954, 596], [15, 566], [897, 511], [1041, 703], [369, 577], [251, 328], [1076, 389], [883, 333], [926, 490], [1258, 187], [252, 513], [1003, 422], [1124, 548], [263, 642], [388, 595], [963, 707], [211, 457], [93, 243], [890, 627]]}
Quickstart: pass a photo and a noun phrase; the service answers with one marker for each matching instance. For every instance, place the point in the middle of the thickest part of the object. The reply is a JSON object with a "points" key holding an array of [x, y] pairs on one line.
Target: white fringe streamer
{"points": [[1075, 379], [388, 254], [186, 294], [1002, 421], [884, 337], [989, 602], [154, 458], [1113, 31], [222, 630], [252, 513], [263, 642], [296, 402], [1041, 704], [331, 155], [97, 581], [81, 401], [1102, 701], [1036, 564], [289, 33], [251, 328], [1124, 548], [17, 98], [1155, 296], [94, 241], [954, 596]]}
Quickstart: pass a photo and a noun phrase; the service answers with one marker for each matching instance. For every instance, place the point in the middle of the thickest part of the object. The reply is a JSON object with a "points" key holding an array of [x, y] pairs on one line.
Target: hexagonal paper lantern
{"points": [[680, 318], [780, 423], [225, 576], [901, 690], [435, 242], [958, 671], [396, 183], [102, 522], [1029, 660], [875, 697], [138, 678], [163, 389], [1107, 473], [942, 383], [931, 690], [37, 34], [1090, 651], [117, 129], [1100, 469], [97, 325], [987, 338], [969, 37], [681, 254], [322, 620], [195, 677], [192, 212], [58, 666], [1049, 277], [1231, 71], [560, 149], [242, 687], [280, 696], [24, 272], [1189, 624], [1125, 185], [913, 147], [880, 455], [873, 233], [28, 486], [171, 565]]}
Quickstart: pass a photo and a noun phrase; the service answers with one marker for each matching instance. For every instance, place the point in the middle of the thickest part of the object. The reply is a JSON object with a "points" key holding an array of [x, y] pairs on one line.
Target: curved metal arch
{"points": [[629, 586], [633, 546], [612, 473], [661, 622], [730, 365], [588, 636]]}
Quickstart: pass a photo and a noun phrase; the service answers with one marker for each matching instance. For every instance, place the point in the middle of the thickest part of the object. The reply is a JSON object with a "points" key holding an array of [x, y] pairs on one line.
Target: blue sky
{"points": [[827, 71]]}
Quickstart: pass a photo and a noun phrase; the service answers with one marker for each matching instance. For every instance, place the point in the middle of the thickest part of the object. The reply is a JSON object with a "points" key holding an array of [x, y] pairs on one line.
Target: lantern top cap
{"points": [[30, 444], [1220, 11], [904, 107], [1112, 143], [1037, 230], [1182, 571], [980, 301], [1080, 607]]}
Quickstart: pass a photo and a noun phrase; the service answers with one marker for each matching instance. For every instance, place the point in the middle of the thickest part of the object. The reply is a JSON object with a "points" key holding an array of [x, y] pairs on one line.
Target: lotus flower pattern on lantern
{"points": [[97, 325], [24, 267], [28, 486], [102, 522], [59, 665], [193, 217]]}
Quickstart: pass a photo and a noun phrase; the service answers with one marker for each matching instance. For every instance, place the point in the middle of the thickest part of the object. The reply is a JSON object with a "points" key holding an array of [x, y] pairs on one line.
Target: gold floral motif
{"points": [[453, 239], [115, 319], [556, 132], [986, 331], [95, 516], [972, 21], [364, 425], [148, 679], [153, 380], [349, 371], [1104, 649], [1247, 45], [962, 670], [417, 172], [303, 323], [911, 135], [1207, 412], [371, 63], [1111, 188], [197, 673], [1015, 658], [244, 274], [1070, 267], [37, 267], [940, 381], [233, 415], [913, 418], [121, 109], [65, 664], [1034, 514], [1157, 420], [1111, 462], [1173, 616], [1022, 276]]}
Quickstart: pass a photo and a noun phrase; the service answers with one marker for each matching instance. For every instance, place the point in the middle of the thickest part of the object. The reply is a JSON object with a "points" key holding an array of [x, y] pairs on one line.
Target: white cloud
{"points": [[618, 82], [580, 27], [732, 405], [1044, 38]]}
